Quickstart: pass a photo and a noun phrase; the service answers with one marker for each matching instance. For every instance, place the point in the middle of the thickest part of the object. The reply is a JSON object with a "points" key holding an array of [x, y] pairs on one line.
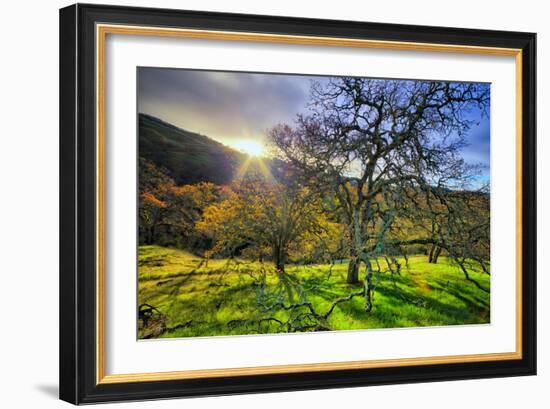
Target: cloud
{"points": [[222, 105], [478, 138]]}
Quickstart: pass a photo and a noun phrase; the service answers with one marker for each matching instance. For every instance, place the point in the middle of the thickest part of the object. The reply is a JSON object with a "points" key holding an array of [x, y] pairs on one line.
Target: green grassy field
{"points": [[195, 298]]}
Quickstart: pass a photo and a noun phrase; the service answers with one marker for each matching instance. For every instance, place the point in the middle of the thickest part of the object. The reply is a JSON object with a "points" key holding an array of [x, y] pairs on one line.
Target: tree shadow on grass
{"points": [[454, 314], [326, 293], [470, 296], [377, 318]]}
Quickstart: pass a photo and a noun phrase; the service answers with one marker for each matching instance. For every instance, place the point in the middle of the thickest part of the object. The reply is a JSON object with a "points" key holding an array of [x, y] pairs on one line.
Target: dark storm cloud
{"points": [[222, 105]]}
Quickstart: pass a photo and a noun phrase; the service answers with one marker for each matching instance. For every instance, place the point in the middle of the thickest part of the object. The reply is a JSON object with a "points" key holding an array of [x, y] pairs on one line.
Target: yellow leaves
{"points": [[202, 194], [260, 215], [219, 217]]}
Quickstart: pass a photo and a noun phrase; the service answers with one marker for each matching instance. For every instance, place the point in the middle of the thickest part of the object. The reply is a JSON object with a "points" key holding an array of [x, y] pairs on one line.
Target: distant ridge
{"points": [[189, 157]]}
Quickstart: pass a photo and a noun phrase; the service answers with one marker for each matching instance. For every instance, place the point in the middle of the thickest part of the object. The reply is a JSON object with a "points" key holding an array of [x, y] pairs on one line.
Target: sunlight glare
{"points": [[250, 147]]}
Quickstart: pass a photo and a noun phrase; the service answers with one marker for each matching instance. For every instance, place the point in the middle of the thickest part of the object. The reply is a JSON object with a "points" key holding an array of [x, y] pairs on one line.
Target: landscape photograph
{"points": [[274, 203]]}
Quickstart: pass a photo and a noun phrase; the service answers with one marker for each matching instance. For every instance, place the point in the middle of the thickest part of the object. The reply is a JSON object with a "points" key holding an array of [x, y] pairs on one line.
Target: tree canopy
{"points": [[387, 150]]}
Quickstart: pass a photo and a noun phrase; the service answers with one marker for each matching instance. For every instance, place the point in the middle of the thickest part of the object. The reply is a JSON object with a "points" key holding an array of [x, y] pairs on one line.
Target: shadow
{"points": [[49, 390], [453, 313], [469, 296], [357, 310]]}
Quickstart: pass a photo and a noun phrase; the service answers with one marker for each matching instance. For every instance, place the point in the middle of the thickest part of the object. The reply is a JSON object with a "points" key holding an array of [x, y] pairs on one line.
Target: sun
{"points": [[250, 147]]}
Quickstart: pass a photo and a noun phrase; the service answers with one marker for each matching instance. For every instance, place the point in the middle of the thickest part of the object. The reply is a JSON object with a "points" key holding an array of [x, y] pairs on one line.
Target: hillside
{"points": [[189, 157]]}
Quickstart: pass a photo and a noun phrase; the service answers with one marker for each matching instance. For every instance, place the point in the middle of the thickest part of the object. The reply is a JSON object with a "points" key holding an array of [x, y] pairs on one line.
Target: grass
{"points": [[195, 298]]}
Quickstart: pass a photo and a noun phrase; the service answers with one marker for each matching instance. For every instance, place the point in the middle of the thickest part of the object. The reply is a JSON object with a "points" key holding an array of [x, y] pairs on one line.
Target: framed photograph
{"points": [[257, 203]]}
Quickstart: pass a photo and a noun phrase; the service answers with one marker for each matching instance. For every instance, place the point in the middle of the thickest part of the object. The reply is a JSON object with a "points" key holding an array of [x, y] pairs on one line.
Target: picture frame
{"points": [[83, 219]]}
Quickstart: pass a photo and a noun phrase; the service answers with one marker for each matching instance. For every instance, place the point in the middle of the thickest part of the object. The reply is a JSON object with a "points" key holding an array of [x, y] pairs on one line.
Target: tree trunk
{"points": [[431, 253], [353, 270], [279, 258], [368, 288], [151, 235], [436, 255], [355, 248], [435, 251]]}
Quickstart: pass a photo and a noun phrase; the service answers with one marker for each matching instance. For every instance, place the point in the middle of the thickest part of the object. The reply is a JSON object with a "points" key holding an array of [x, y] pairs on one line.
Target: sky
{"points": [[232, 106]]}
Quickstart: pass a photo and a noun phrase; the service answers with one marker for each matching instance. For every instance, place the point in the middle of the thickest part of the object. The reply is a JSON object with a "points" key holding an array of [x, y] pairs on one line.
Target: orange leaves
{"points": [[149, 199]]}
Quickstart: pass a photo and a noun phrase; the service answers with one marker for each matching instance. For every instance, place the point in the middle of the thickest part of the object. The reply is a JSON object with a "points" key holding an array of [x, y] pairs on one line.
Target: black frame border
{"points": [[78, 210]]}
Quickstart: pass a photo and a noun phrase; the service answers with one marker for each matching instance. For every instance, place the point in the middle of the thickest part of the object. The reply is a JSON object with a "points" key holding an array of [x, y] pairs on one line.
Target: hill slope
{"points": [[189, 157]]}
